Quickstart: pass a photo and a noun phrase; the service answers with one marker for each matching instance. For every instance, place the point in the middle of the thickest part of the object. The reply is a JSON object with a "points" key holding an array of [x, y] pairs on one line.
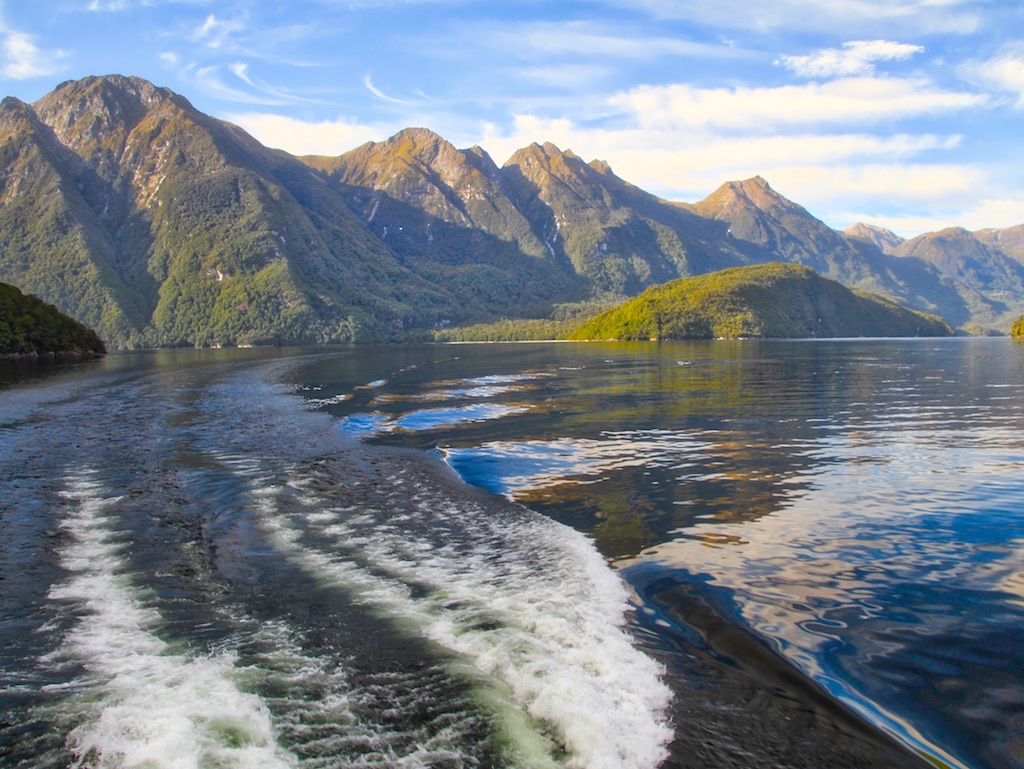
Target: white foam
{"points": [[144, 704], [528, 605]]}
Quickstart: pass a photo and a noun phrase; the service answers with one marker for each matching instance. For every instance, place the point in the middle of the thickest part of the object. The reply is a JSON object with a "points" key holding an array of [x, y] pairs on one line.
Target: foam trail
{"points": [[526, 604], [143, 704]]}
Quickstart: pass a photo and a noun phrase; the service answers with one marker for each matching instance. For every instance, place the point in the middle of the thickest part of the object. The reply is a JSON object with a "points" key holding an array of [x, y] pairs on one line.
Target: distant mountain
{"points": [[884, 240], [29, 326], [1009, 241], [990, 282], [772, 300], [131, 211]]}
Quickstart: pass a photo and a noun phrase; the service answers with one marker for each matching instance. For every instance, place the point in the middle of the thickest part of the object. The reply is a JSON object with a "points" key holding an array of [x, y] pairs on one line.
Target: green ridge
{"points": [[29, 326], [772, 300]]}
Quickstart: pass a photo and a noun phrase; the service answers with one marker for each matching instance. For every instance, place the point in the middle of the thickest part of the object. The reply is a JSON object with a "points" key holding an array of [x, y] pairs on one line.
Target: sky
{"points": [[906, 114]]}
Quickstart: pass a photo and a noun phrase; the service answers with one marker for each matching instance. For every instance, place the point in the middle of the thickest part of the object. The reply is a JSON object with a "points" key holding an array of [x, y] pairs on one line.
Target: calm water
{"points": [[204, 556]]}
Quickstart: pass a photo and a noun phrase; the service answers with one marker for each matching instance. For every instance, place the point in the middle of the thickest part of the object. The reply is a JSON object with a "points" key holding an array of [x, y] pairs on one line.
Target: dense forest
{"points": [[29, 326], [773, 300]]}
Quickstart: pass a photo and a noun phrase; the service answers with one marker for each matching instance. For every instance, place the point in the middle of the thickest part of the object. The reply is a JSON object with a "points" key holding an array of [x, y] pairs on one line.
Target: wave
{"points": [[526, 608], [139, 701]]}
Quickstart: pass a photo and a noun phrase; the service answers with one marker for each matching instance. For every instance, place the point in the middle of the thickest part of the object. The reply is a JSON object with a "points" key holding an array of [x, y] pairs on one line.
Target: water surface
{"points": [[204, 555]]}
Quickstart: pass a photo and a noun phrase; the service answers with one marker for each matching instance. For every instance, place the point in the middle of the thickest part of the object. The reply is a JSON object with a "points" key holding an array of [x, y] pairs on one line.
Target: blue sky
{"points": [[902, 113]]}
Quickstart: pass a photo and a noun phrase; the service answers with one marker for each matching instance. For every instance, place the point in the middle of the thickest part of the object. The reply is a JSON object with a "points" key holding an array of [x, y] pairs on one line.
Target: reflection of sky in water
{"points": [[896, 569], [477, 387], [864, 515], [508, 467], [428, 419]]}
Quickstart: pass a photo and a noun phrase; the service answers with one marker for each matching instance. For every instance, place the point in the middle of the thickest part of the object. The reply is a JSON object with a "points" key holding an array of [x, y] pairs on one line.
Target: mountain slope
{"points": [[195, 235], [991, 284], [448, 217], [768, 300]]}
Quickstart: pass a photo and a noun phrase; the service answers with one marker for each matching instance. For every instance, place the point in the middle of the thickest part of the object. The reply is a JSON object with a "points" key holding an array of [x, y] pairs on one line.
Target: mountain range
{"points": [[158, 225]]}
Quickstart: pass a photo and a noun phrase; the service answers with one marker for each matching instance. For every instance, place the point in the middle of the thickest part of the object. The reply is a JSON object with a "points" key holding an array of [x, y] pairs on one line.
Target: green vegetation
{"points": [[564, 318], [1017, 329], [769, 300], [159, 226], [29, 326]]}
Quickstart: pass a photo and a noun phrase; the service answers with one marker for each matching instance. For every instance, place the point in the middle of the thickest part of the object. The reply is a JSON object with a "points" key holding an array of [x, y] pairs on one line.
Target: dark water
{"points": [[198, 560]]}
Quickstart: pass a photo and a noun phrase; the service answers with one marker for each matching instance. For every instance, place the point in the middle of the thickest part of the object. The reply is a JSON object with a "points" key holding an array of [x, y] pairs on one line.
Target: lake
{"points": [[764, 553]]}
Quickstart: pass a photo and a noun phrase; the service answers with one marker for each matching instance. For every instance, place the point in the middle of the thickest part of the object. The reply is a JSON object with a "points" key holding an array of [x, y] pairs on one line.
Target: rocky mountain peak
{"points": [[885, 240], [93, 109]]}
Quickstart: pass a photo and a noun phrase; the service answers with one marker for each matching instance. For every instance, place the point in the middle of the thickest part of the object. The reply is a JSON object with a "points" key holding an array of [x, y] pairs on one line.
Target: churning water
{"points": [[211, 560]]}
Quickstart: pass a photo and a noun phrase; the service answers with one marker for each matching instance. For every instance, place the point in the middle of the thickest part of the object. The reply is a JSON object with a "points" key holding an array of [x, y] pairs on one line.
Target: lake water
{"points": [[263, 558]]}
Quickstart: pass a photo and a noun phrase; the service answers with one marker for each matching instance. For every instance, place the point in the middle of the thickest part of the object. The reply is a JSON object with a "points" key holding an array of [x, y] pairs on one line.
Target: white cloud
{"points": [[23, 59], [1003, 72], [687, 166], [565, 76], [856, 57], [169, 57], [759, 109], [326, 137]]}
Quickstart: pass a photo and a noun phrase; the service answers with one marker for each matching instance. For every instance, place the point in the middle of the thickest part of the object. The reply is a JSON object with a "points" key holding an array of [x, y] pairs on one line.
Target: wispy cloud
{"points": [[215, 33], [916, 16], [108, 5], [209, 79], [23, 59], [856, 57], [420, 100], [590, 39]]}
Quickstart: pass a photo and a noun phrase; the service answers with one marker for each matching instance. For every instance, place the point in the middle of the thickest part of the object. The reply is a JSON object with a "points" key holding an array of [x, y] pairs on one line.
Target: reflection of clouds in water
{"points": [[515, 466]]}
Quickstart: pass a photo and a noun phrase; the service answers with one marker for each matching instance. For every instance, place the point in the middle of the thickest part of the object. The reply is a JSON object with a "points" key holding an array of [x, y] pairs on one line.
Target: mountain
{"points": [[767, 300], [1009, 241], [29, 326], [158, 225], [618, 238], [884, 240], [565, 228], [131, 211], [774, 228], [448, 216], [781, 229], [990, 282]]}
